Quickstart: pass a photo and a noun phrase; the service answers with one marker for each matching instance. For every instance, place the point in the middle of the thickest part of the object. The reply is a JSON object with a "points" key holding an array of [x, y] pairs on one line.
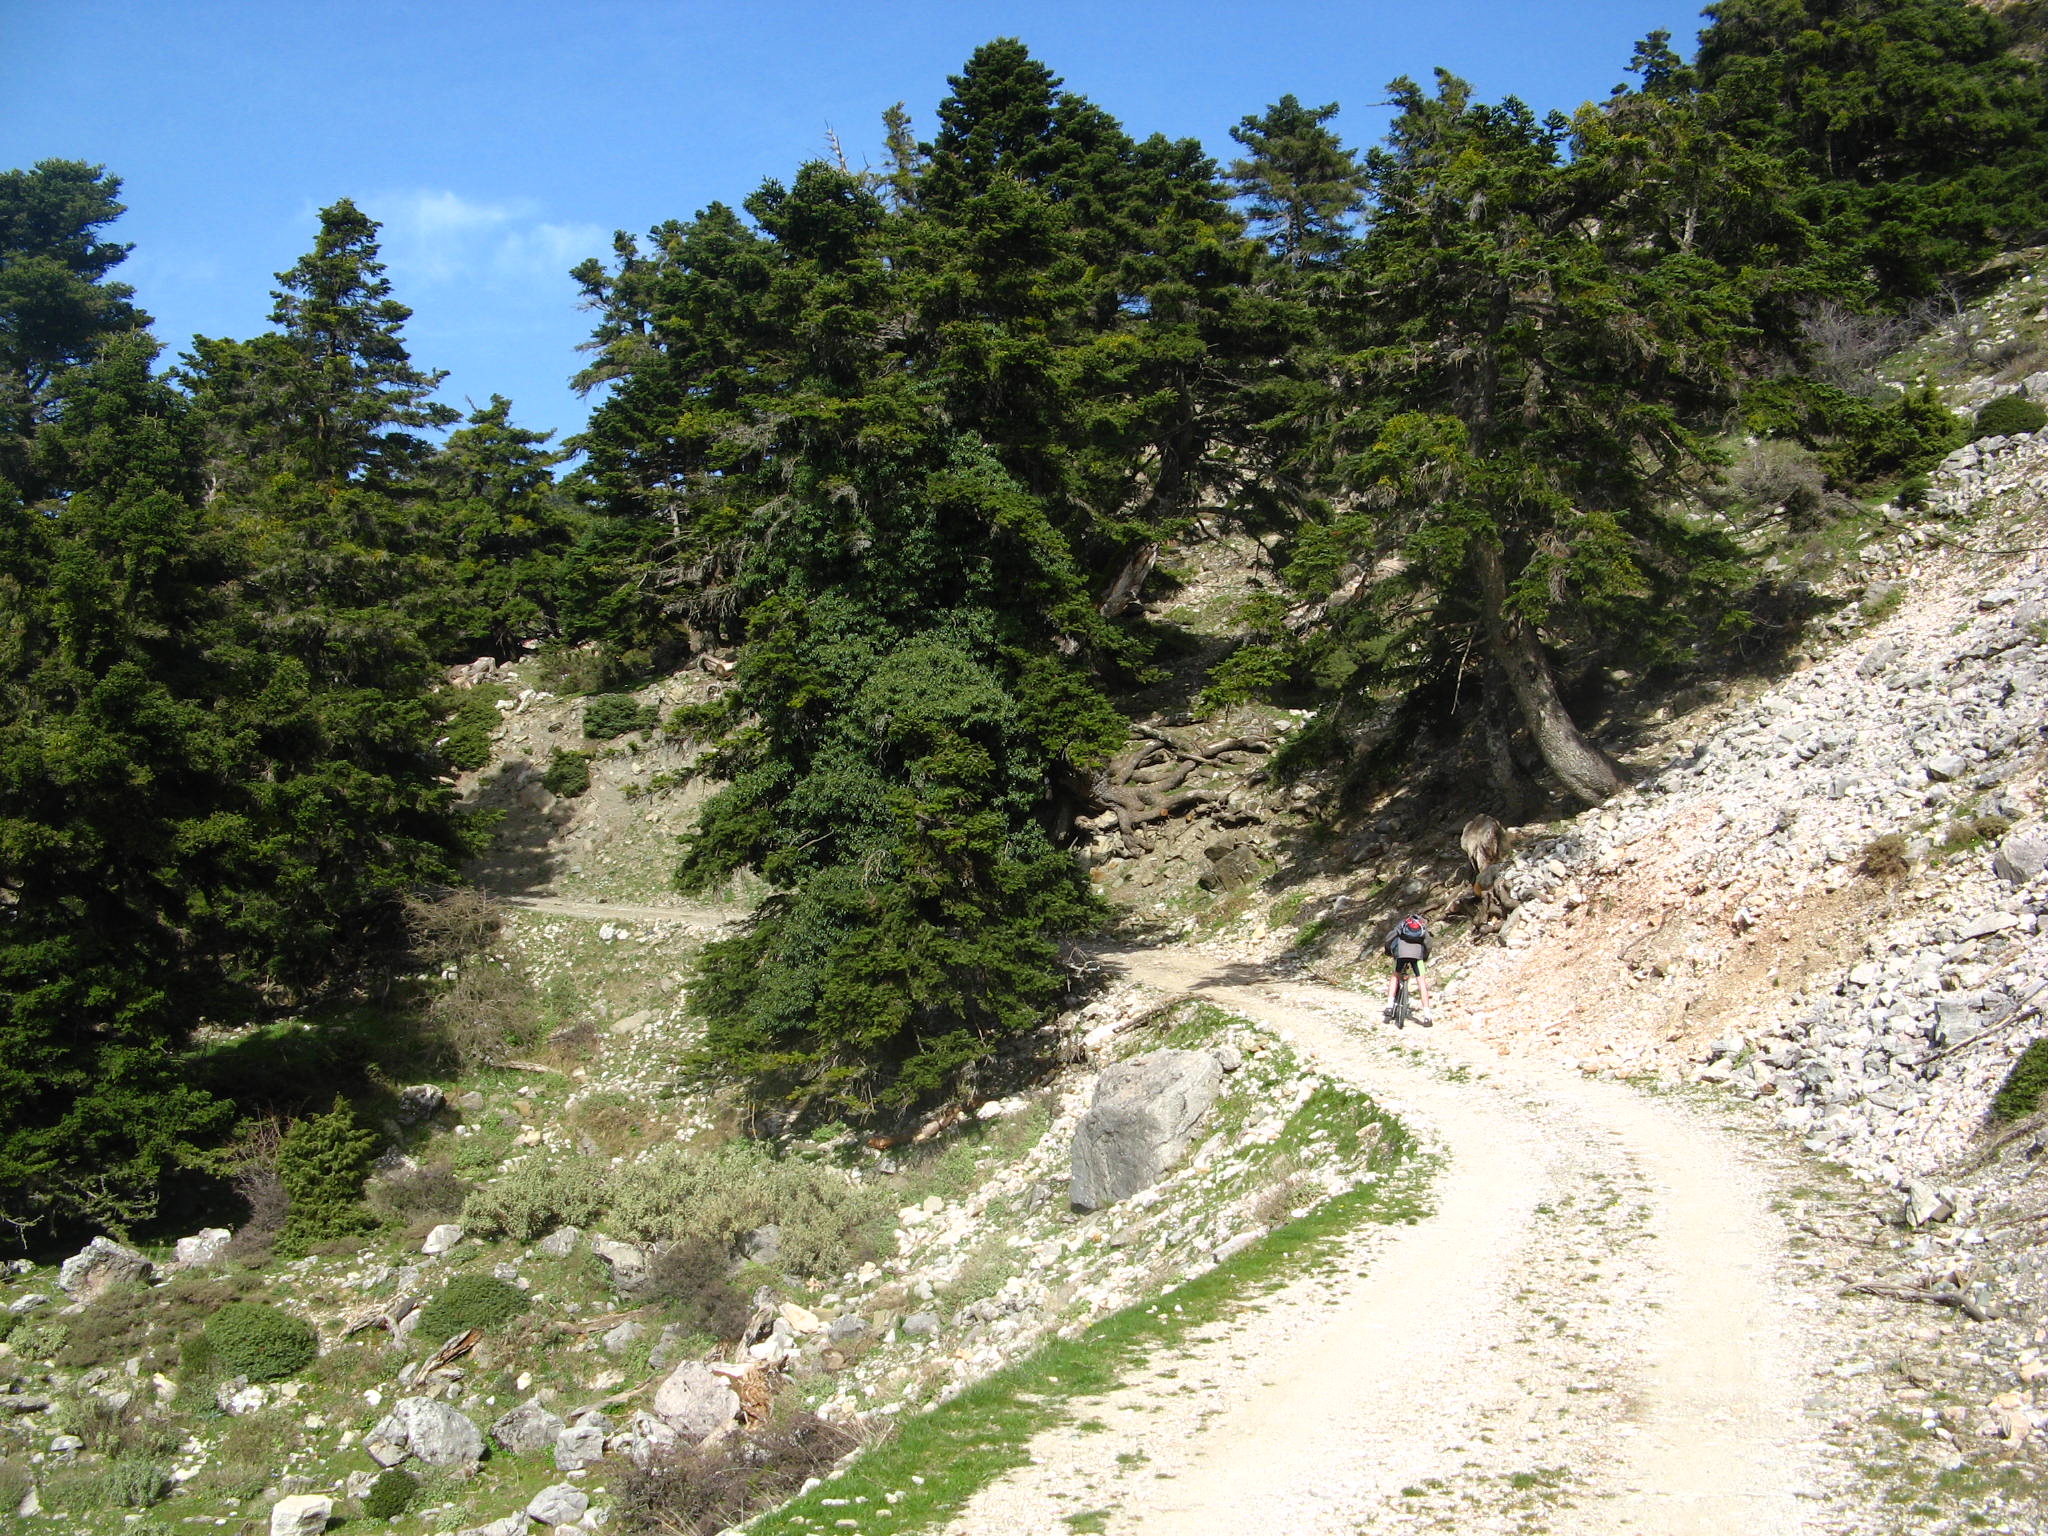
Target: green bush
{"points": [[530, 1201], [391, 1495], [568, 773], [261, 1342], [40, 1340], [676, 1195], [323, 1161], [468, 743], [471, 1301], [2024, 1086], [2009, 415], [126, 1483], [615, 714]]}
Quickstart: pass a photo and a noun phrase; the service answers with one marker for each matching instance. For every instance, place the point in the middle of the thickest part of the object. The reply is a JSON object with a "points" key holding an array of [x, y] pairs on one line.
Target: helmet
{"points": [[1413, 925]]}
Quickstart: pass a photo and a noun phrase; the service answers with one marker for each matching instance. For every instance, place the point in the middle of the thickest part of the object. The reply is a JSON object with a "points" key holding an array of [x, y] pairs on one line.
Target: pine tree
{"points": [[1301, 187]]}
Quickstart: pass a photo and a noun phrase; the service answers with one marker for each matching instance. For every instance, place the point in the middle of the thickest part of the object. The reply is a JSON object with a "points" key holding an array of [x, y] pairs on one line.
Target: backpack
{"points": [[1402, 946]]}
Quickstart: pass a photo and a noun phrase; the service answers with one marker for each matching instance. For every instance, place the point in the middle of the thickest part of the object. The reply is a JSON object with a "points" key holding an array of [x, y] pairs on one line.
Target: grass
{"points": [[966, 1443]]}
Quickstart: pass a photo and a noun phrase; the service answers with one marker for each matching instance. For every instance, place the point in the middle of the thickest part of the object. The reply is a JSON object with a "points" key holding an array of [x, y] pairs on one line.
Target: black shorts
{"points": [[1407, 967]]}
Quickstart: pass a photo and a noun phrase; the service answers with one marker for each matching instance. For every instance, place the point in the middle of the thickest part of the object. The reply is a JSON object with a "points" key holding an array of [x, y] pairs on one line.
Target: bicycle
{"points": [[1403, 1012]]}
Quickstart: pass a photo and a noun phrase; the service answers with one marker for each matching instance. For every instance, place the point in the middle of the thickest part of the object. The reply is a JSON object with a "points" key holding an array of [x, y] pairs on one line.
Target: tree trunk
{"points": [[1582, 767], [1124, 590], [1515, 790]]}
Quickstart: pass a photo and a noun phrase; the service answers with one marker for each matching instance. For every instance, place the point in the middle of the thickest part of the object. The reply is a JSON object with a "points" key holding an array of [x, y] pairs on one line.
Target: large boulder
{"points": [[579, 1446], [1139, 1123], [558, 1504], [2022, 856], [526, 1429], [627, 1262], [696, 1401], [437, 1434], [209, 1245], [301, 1514], [99, 1264]]}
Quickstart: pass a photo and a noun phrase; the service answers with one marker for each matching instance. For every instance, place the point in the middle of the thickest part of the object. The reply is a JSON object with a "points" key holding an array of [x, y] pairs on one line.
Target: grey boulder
{"points": [[437, 1434], [579, 1446], [301, 1514], [2022, 856], [558, 1504], [204, 1247], [1139, 1124], [526, 1429], [696, 1400], [99, 1264]]}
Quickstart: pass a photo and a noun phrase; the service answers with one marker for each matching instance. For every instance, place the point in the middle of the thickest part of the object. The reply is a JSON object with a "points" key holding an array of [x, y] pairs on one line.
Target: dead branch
{"points": [[1932, 1298]]}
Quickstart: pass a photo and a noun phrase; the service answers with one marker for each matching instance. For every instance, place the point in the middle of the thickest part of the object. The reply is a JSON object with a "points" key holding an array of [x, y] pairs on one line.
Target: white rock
{"points": [[695, 1401], [204, 1247], [442, 1238], [558, 1504], [301, 1514], [560, 1243], [99, 1264]]}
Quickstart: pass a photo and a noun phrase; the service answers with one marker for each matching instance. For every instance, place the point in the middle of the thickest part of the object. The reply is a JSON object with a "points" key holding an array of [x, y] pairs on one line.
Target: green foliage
{"points": [[1249, 672], [261, 1342], [2008, 416], [323, 1161], [609, 715], [681, 1195], [2021, 1094], [393, 1493], [539, 1194], [468, 744], [1921, 139], [471, 1301], [123, 1483], [40, 1339], [567, 773]]}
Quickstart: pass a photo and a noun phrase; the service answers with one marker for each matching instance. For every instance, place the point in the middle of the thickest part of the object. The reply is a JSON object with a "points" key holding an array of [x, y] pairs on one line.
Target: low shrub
{"points": [[611, 715], [434, 1192], [471, 1301], [528, 1202], [126, 1483], [40, 1339], [1884, 859], [2024, 1086], [568, 773], [693, 1279], [467, 746], [261, 1342], [391, 1495], [678, 1194], [2008, 416], [710, 1489]]}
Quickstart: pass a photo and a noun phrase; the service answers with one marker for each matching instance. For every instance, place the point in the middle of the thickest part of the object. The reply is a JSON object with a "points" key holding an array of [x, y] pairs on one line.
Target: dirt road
{"points": [[682, 914], [1596, 1331]]}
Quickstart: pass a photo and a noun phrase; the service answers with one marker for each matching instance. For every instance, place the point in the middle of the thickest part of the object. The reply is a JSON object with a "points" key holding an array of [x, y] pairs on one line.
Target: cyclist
{"points": [[1408, 946]]}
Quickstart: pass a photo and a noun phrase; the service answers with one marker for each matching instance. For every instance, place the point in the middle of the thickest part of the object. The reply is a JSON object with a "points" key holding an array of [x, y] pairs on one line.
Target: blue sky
{"points": [[501, 141]]}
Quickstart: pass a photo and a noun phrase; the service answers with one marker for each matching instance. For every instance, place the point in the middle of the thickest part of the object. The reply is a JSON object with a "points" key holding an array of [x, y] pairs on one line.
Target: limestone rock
{"points": [[627, 1263], [616, 1341], [558, 1504], [204, 1247], [1231, 863], [696, 1401], [1925, 1203], [647, 1440], [420, 1102], [99, 1264], [442, 1238], [301, 1514], [526, 1429], [579, 1446], [2022, 856], [437, 1434], [560, 1243], [1139, 1123]]}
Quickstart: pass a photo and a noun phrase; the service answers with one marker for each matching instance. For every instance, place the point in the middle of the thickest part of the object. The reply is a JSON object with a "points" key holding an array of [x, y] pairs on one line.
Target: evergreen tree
{"points": [[1925, 137], [1545, 307], [57, 303], [1301, 187]]}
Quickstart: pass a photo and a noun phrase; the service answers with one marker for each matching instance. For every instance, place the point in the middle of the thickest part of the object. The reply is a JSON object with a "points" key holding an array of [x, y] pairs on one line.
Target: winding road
{"points": [[1595, 1331]]}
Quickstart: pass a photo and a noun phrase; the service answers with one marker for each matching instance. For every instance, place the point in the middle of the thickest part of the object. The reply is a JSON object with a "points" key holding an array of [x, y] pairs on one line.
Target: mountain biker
{"points": [[1408, 946]]}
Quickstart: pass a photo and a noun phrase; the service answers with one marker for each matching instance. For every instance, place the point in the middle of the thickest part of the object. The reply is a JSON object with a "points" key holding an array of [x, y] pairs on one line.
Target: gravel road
{"points": [[1597, 1330]]}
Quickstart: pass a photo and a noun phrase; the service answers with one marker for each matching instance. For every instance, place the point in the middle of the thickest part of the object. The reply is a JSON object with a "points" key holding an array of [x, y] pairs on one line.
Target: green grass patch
{"points": [[966, 1443], [2024, 1085]]}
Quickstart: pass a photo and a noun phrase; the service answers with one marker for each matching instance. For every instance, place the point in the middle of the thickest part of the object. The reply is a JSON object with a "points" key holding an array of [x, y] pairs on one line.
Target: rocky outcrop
{"points": [[695, 1401], [1139, 1124], [437, 1434], [99, 1264]]}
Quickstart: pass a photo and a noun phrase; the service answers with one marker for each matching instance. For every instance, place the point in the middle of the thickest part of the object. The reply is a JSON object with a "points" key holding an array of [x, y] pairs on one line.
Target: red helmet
{"points": [[1413, 925]]}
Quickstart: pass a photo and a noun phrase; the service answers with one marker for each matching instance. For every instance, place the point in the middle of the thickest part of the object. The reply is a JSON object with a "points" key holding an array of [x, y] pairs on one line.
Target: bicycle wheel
{"points": [[1401, 1009]]}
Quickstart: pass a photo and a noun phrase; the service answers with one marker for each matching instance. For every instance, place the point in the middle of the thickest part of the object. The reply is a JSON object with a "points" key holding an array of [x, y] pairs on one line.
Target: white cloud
{"points": [[441, 237]]}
